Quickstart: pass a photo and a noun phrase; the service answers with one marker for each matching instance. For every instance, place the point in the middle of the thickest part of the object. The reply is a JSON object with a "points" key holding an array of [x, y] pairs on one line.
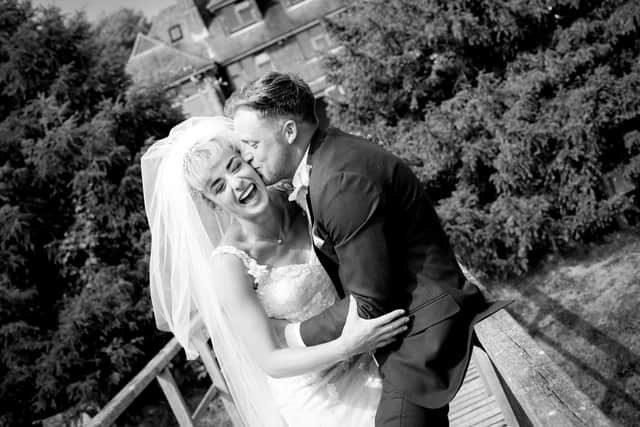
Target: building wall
{"points": [[199, 95], [301, 39], [300, 54], [245, 37], [183, 19], [277, 20]]}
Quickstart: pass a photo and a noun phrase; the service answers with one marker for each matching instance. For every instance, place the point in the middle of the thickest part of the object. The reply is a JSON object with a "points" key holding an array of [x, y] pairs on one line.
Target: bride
{"points": [[238, 254]]}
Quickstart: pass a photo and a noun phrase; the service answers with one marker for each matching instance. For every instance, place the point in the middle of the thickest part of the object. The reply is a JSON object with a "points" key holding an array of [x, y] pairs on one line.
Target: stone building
{"points": [[202, 50]]}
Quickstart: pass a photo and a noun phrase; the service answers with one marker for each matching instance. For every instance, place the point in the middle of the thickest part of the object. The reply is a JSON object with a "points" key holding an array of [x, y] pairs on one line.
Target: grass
{"points": [[583, 310]]}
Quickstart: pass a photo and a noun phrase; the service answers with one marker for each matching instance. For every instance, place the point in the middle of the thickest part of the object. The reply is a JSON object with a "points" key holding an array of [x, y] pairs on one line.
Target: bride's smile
{"points": [[248, 195], [233, 185]]}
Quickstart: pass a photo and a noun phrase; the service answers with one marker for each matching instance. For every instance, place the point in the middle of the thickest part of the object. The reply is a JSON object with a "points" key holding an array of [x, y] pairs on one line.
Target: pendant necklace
{"points": [[281, 232]]}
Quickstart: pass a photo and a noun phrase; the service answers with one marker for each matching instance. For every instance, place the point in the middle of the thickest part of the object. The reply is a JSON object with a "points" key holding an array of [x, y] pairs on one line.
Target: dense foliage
{"points": [[512, 112], [75, 318]]}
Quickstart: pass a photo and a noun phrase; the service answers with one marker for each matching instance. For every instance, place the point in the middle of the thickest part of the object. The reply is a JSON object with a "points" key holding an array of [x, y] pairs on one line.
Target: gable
{"points": [[143, 44], [153, 61]]}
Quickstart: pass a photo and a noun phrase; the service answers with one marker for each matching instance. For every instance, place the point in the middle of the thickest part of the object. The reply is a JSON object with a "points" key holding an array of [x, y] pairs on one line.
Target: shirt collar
{"points": [[301, 176], [300, 179]]}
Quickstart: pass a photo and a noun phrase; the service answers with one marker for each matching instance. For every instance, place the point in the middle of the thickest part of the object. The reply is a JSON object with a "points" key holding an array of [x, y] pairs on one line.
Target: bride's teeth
{"points": [[247, 193]]}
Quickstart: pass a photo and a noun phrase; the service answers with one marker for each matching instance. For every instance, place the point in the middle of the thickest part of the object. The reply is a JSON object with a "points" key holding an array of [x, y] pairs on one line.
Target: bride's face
{"points": [[232, 184]]}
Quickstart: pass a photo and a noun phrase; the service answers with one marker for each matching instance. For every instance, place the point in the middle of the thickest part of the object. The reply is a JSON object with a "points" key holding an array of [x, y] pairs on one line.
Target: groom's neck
{"points": [[305, 135]]}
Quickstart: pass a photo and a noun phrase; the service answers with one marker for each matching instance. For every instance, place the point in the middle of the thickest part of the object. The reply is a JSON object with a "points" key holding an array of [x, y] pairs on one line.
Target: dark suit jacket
{"points": [[384, 244]]}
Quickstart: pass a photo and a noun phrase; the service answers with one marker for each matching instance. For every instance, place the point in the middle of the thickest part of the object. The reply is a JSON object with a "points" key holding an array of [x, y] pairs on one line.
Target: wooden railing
{"points": [[158, 369], [538, 391], [532, 389]]}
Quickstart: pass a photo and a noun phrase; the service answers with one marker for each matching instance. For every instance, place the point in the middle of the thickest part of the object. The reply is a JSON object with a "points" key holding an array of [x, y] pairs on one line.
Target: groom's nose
{"points": [[247, 154]]}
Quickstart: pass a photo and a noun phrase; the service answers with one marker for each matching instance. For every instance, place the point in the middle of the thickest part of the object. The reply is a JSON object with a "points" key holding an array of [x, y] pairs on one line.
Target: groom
{"points": [[379, 238]]}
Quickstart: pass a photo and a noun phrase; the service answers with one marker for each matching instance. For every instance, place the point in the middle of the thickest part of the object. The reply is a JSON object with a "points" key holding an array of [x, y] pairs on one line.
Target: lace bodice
{"points": [[346, 393], [291, 292]]}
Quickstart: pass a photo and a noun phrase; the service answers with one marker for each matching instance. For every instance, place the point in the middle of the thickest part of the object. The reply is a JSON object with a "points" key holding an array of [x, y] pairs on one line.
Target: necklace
{"points": [[281, 230]]}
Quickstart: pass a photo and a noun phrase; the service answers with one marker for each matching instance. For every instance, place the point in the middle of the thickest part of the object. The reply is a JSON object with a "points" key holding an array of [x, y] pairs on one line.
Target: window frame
{"points": [[171, 33], [325, 41], [239, 7], [291, 3], [260, 63]]}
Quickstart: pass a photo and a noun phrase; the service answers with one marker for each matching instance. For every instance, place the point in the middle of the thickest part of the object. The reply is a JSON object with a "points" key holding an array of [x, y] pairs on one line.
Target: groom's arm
{"points": [[351, 209]]}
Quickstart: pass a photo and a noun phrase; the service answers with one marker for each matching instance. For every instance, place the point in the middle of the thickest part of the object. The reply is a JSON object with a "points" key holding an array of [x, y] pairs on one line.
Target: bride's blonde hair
{"points": [[199, 158], [211, 144]]}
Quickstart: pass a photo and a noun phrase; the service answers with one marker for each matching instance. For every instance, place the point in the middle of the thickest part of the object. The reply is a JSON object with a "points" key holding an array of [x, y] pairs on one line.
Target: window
{"points": [[292, 2], [240, 15], [263, 63], [244, 12], [175, 33], [320, 43]]}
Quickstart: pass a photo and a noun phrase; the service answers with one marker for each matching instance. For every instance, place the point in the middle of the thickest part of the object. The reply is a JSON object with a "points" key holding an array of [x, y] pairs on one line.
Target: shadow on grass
{"points": [[616, 402]]}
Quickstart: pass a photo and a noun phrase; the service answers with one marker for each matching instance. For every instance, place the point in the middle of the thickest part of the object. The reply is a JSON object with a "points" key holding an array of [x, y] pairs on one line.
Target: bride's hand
{"points": [[366, 335]]}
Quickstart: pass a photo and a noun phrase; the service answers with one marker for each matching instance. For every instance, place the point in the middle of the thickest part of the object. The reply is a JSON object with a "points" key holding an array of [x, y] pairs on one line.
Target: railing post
{"points": [[171, 391], [210, 363]]}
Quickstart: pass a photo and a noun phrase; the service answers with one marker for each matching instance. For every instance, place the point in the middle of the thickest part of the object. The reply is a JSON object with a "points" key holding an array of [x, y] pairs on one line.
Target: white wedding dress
{"points": [[344, 395]]}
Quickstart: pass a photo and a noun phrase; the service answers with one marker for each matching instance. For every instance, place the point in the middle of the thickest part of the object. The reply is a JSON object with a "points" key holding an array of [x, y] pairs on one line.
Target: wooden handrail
{"points": [[531, 388], [158, 368], [539, 391], [127, 395]]}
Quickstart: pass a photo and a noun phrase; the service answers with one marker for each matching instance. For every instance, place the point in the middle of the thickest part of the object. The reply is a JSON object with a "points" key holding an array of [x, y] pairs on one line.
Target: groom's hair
{"points": [[275, 94]]}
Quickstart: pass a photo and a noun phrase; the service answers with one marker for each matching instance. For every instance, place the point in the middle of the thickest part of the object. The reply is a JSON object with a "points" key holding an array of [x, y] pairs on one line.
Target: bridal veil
{"points": [[184, 232]]}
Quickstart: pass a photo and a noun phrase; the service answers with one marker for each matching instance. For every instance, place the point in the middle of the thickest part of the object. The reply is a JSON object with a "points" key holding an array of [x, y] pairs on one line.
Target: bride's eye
{"points": [[235, 165], [218, 186]]}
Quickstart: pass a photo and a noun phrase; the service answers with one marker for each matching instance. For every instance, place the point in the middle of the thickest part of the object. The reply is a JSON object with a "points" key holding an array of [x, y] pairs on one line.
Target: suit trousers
{"points": [[395, 410]]}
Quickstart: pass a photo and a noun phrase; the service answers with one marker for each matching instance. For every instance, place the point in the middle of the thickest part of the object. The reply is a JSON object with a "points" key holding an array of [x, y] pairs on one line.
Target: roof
{"points": [[153, 60]]}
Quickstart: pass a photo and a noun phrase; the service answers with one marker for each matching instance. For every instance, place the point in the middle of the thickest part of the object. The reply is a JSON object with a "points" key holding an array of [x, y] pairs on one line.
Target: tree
{"points": [[511, 132], [75, 320]]}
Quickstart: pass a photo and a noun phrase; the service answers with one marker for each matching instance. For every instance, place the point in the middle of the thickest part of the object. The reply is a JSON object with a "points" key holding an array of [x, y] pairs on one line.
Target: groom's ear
{"points": [[290, 131]]}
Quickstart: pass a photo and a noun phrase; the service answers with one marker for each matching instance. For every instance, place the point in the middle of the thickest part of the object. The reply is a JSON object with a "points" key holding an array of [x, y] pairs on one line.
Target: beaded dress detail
{"points": [[346, 394]]}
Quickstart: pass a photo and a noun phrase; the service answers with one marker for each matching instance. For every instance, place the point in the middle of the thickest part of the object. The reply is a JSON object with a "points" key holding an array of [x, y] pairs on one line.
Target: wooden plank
{"points": [[474, 405], [545, 394], [174, 397], [468, 405], [208, 359], [480, 412], [478, 405], [471, 388], [493, 421], [492, 381], [123, 399]]}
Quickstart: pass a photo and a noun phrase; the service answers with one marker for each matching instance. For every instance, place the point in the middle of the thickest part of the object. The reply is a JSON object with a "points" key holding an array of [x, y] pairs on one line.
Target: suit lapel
{"points": [[316, 140], [328, 260], [309, 208]]}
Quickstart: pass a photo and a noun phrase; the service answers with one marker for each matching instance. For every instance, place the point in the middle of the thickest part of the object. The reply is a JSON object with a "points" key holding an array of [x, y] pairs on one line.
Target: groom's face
{"points": [[265, 145]]}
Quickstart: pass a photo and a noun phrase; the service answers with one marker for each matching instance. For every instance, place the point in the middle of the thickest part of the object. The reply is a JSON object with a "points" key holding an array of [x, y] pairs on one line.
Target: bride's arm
{"points": [[250, 321]]}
